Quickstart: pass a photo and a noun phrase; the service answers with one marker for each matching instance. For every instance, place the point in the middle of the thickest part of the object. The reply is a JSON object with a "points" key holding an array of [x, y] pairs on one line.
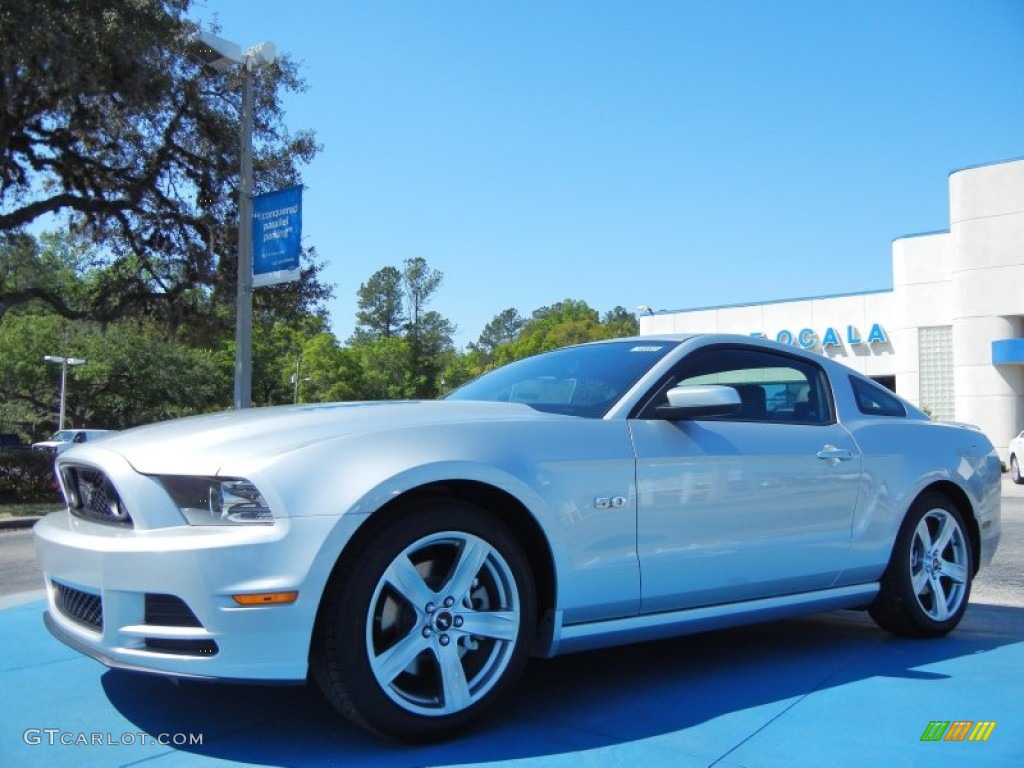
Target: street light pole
{"points": [[296, 380], [64, 363], [220, 55], [243, 301]]}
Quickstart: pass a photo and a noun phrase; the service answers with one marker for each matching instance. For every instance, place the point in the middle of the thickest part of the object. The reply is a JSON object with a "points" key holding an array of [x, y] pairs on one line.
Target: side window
{"points": [[772, 387], [873, 400]]}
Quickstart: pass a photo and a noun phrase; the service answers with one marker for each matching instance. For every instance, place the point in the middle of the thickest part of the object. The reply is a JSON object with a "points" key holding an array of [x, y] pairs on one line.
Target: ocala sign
{"points": [[807, 338]]}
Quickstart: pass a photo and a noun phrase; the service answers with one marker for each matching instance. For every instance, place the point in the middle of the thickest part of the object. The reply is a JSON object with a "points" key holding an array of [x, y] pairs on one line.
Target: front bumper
{"points": [[161, 600]]}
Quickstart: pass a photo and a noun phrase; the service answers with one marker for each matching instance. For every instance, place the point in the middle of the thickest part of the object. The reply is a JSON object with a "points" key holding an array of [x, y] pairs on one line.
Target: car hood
{"points": [[204, 444]]}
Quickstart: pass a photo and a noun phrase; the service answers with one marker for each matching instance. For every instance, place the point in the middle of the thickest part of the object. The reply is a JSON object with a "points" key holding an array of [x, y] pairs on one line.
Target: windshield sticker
{"points": [[645, 349]]}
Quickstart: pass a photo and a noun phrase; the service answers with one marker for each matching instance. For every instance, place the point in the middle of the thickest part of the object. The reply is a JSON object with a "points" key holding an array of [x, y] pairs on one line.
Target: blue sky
{"points": [[669, 153]]}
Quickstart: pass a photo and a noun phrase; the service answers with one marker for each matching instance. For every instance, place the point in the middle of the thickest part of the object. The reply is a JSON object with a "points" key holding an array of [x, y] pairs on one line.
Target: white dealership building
{"points": [[948, 336]]}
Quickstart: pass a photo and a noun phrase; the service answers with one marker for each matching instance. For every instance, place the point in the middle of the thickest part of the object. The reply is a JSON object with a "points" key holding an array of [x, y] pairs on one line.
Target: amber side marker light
{"points": [[267, 598]]}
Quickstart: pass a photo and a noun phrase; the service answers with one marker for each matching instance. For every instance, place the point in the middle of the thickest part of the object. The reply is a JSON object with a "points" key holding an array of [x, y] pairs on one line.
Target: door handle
{"points": [[830, 452]]}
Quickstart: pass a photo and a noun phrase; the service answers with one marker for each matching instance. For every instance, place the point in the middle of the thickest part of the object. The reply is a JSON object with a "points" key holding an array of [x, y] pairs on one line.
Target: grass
{"points": [[28, 509]]}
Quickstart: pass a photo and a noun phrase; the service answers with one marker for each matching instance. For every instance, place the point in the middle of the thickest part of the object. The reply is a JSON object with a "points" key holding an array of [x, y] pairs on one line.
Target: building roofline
{"points": [[986, 165], [930, 233], [955, 171], [773, 301]]}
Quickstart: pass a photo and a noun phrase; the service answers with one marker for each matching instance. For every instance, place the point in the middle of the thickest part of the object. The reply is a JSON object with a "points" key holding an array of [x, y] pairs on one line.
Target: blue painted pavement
{"points": [[826, 690]]}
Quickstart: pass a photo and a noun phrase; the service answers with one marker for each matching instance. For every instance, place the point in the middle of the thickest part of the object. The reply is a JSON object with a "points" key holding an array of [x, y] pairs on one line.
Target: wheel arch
{"points": [[502, 505]]}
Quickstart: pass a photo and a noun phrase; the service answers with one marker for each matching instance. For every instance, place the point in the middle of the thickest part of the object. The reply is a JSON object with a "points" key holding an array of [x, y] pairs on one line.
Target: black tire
{"points": [[395, 651], [927, 584], [1015, 471]]}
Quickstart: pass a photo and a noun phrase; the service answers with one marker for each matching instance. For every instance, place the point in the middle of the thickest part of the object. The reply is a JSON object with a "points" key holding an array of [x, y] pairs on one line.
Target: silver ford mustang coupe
{"points": [[411, 556]]}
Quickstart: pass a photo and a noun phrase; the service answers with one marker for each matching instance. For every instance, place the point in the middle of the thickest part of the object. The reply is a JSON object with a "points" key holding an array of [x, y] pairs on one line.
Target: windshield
{"points": [[65, 436], [579, 381]]}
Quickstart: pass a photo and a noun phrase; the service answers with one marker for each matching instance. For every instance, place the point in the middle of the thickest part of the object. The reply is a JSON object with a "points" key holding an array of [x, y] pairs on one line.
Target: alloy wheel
{"points": [[442, 623], [939, 564]]}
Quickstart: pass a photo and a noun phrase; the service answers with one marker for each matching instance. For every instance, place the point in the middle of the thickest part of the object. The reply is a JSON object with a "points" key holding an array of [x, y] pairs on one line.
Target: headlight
{"points": [[218, 500]]}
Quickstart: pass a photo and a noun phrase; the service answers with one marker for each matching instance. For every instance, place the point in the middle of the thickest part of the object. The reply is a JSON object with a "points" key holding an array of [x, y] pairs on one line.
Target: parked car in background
{"points": [[1016, 457], [411, 556], [61, 441]]}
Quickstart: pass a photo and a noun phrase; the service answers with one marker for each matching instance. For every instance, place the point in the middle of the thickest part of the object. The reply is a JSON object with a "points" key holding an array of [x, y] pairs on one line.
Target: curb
{"points": [[18, 523]]}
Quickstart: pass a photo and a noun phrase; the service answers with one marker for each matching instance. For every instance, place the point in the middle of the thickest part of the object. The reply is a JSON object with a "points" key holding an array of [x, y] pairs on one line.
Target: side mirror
{"points": [[699, 401]]}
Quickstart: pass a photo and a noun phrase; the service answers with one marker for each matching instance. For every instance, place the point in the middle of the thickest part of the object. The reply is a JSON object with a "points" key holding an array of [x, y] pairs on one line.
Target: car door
{"points": [[750, 505]]}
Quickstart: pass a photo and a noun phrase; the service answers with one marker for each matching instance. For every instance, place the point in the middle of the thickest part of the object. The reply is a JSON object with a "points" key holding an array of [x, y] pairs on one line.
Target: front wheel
{"points": [[1015, 470], [428, 625], [926, 586]]}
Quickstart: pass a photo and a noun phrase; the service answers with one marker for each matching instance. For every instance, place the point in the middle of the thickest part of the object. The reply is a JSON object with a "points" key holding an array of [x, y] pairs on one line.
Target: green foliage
{"points": [[27, 476], [48, 269], [136, 374], [403, 348], [460, 368], [333, 372], [620, 322], [384, 370], [132, 376], [111, 123], [421, 283], [380, 312], [504, 328], [562, 324]]}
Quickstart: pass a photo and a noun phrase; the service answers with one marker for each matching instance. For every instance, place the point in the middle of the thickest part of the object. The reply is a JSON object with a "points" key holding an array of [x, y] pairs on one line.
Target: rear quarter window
{"points": [[874, 400]]}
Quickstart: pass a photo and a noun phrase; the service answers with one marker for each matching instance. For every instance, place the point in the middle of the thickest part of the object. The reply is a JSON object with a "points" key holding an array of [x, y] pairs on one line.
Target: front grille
{"points": [[169, 611], [91, 495], [81, 607]]}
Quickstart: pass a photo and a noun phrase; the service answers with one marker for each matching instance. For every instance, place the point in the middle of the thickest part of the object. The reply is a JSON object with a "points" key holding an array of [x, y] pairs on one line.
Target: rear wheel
{"points": [[427, 625], [1015, 470], [925, 588]]}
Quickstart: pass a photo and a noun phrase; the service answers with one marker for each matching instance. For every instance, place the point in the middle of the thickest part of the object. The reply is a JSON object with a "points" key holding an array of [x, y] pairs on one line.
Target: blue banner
{"points": [[276, 236]]}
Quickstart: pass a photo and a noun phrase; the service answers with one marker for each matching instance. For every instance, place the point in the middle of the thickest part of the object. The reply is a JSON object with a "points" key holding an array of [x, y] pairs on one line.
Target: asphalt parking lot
{"points": [[828, 689]]}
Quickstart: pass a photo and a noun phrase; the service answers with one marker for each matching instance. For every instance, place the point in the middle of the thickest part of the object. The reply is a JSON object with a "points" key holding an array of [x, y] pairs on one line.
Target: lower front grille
{"points": [[181, 647], [172, 611], [81, 607], [169, 611]]}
